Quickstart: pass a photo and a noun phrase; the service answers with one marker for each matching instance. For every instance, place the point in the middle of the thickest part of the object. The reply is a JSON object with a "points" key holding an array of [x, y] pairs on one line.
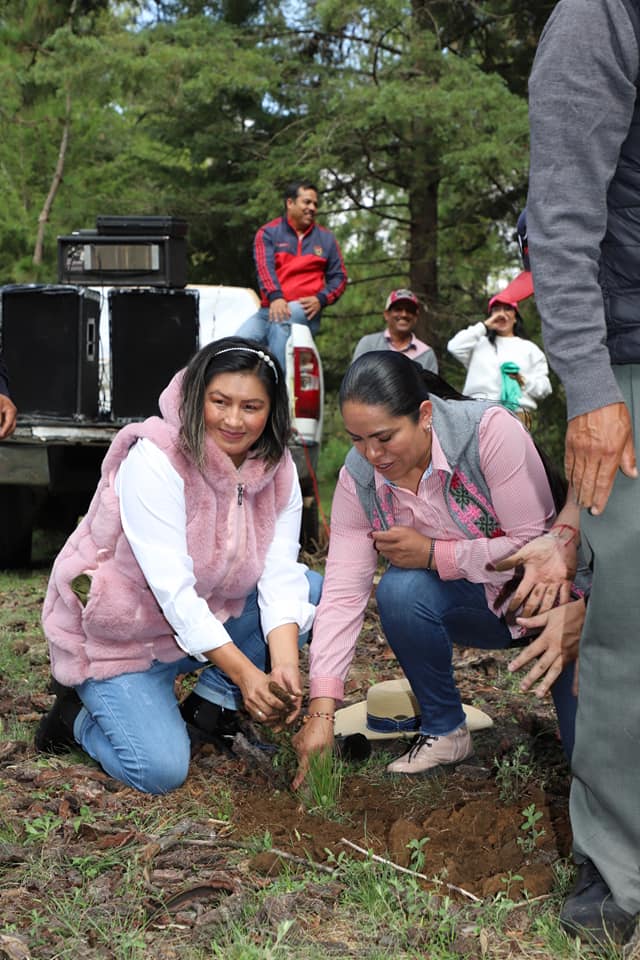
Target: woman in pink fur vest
{"points": [[186, 558]]}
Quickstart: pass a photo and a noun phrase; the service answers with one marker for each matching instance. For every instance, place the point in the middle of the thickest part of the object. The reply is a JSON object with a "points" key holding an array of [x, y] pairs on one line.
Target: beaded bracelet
{"points": [[320, 716], [431, 552]]}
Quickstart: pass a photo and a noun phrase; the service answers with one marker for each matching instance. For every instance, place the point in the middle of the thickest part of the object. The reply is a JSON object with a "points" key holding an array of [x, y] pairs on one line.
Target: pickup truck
{"points": [[50, 467]]}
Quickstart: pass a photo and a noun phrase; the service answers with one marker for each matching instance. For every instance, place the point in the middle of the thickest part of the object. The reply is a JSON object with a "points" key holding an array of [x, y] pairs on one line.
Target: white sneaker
{"points": [[426, 753]]}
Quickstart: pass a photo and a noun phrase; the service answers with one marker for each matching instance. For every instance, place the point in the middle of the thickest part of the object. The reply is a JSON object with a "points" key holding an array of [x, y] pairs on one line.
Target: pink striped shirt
{"points": [[415, 348], [520, 496]]}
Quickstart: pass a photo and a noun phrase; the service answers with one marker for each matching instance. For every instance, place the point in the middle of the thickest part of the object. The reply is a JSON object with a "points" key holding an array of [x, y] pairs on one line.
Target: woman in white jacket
{"points": [[501, 364]]}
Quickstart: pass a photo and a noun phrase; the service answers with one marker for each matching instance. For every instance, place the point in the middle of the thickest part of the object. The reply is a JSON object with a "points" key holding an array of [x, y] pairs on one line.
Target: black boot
{"points": [[208, 722], [354, 748], [591, 912], [55, 730]]}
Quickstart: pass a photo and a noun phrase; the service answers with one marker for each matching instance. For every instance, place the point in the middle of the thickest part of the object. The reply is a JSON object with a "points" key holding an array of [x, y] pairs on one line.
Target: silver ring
{"points": [[260, 714]]}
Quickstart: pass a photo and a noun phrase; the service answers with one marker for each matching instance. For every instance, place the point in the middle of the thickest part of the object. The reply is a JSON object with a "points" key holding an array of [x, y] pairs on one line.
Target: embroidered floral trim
{"points": [[470, 509], [383, 515]]}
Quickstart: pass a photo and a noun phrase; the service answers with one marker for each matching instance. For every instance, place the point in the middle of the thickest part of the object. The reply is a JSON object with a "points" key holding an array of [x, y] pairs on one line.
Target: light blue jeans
{"points": [[422, 617], [131, 724], [275, 335]]}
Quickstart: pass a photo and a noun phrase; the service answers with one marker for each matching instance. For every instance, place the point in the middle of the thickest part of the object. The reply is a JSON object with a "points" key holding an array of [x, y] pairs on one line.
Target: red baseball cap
{"points": [[401, 296], [515, 292], [504, 301]]}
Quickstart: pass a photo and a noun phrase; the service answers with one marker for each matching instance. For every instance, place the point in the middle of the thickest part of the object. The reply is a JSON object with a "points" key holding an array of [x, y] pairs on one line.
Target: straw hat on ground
{"points": [[391, 711]]}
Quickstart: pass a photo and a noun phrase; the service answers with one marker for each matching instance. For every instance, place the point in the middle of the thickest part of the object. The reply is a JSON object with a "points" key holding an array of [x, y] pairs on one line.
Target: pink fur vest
{"points": [[122, 628]]}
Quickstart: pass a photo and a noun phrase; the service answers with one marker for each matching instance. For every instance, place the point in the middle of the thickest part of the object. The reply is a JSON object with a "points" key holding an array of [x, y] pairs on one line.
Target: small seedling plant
{"points": [[513, 774], [418, 856], [530, 832]]}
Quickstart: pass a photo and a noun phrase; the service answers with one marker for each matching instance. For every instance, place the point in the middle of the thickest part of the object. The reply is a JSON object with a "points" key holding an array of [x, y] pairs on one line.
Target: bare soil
{"points": [[68, 812]]}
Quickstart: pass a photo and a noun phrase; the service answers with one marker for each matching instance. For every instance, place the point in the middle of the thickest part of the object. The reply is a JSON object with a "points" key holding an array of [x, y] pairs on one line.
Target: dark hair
{"points": [[293, 188], [234, 355], [523, 240], [385, 378]]}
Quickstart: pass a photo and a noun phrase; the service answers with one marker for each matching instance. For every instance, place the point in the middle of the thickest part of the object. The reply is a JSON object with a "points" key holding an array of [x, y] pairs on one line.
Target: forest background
{"points": [[410, 115]]}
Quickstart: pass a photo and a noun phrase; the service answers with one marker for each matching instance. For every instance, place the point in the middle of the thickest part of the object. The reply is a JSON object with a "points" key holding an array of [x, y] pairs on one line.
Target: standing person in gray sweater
{"points": [[584, 235], [401, 317]]}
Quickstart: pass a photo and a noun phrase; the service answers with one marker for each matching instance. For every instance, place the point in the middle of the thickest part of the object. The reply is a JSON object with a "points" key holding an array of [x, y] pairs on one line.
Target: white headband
{"points": [[259, 353]]}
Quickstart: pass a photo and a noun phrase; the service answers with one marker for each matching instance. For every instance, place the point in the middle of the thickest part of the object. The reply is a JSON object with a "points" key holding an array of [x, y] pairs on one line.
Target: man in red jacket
{"points": [[300, 271]]}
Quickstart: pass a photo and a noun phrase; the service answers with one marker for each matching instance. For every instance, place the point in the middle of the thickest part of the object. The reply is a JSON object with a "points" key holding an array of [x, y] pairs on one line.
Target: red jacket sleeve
{"points": [[264, 256], [335, 275]]}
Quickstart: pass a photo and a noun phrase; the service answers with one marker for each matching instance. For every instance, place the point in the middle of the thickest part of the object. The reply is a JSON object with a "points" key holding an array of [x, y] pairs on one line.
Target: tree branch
{"points": [[43, 219]]}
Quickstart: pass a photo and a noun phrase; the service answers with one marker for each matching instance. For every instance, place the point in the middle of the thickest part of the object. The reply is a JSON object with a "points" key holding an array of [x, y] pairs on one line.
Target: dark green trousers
{"points": [[605, 792]]}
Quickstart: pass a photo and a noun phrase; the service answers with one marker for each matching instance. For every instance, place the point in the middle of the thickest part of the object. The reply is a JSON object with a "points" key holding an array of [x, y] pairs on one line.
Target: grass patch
{"points": [[324, 783], [87, 861], [22, 643]]}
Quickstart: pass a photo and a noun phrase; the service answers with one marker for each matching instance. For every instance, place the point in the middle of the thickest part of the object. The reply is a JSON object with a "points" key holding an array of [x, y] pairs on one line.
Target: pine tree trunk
{"points": [[43, 219]]}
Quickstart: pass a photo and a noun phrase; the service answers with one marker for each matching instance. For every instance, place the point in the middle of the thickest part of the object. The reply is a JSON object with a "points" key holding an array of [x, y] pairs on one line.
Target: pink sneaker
{"points": [[426, 753]]}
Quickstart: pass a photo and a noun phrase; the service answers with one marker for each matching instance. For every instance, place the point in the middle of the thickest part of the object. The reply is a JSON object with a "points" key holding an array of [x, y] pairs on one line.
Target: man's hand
{"points": [[548, 567], [279, 311], [403, 547], [310, 305], [556, 646], [596, 444], [8, 414]]}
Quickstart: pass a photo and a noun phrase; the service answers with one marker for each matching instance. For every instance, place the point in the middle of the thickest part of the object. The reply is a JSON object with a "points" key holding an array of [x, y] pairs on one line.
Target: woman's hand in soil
{"points": [[556, 646], [402, 546], [284, 679], [316, 735], [549, 565], [258, 699]]}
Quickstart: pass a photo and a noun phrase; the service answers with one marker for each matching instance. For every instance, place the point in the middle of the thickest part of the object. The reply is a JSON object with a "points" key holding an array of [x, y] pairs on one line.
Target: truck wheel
{"points": [[310, 532], [17, 509]]}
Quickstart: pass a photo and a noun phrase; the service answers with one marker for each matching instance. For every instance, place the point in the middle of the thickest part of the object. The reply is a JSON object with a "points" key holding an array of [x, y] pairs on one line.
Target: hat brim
{"points": [[353, 719], [394, 303]]}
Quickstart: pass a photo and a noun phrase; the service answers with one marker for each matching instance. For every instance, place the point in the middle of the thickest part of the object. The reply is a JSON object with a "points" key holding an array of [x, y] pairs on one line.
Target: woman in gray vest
{"points": [[442, 489]]}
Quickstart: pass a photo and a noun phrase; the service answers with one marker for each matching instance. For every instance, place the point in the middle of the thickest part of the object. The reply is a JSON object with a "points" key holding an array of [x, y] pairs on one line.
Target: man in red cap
{"points": [[401, 316]]}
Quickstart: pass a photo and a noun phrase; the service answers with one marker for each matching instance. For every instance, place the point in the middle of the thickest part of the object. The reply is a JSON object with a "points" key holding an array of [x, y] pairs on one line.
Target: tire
{"points": [[310, 528], [17, 511]]}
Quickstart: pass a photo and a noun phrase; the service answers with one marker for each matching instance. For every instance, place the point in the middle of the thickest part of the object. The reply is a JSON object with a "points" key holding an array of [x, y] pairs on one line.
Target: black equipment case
{"points": [[49, 337]]}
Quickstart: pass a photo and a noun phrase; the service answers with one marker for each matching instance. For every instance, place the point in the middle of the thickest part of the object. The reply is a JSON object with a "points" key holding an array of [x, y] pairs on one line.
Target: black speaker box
{"points": [[87, 258], [50, 345], [152, 335], [113, 226]]}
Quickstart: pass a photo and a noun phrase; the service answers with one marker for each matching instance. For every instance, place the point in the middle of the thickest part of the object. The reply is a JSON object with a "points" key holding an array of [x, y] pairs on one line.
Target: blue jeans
{"points": [[275, 335], [131, 724], [422, 617]]}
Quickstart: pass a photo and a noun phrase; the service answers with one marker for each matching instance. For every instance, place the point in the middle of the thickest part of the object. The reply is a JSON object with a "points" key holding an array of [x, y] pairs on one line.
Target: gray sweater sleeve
{"points": [[581, 99]]}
